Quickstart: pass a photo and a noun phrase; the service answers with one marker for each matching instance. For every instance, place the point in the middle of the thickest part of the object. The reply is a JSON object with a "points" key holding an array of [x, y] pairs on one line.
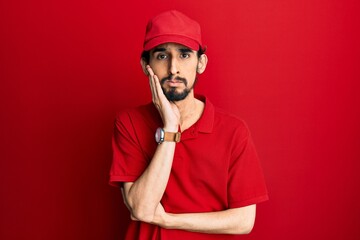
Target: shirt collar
{"points": [[206, 122]]}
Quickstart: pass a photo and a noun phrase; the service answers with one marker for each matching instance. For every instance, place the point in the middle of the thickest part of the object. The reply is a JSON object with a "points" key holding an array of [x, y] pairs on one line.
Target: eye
{"points": [[185, 55], [161, 56]]}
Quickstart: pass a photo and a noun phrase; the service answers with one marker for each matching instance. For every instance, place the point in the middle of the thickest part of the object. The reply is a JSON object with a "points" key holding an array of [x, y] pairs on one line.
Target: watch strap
{"points": [[172, 136]]}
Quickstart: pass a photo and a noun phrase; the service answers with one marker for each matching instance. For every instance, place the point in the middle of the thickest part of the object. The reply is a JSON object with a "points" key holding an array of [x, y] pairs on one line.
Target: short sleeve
{"points": [[246, 183], [128, 161]]}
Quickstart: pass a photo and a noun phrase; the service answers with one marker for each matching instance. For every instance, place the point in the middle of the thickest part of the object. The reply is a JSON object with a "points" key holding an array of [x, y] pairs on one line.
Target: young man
{"points": [[200, 177]]}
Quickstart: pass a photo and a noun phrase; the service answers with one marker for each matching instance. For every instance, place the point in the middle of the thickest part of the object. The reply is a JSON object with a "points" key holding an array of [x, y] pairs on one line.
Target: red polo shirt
{"points": [[215, 166]]}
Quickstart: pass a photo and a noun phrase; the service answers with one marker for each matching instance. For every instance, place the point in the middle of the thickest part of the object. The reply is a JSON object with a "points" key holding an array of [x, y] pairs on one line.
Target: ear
{"points": [[143, 64], [203, 60]]}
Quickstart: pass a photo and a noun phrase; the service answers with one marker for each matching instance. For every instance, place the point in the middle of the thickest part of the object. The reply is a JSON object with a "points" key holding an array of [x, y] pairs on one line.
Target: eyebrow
{"points": [[185, 50], [159, 50], [182, 50]]}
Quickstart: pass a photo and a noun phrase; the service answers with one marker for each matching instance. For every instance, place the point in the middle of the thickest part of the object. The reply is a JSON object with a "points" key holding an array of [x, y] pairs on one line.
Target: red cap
{"points": [[172, 26]]}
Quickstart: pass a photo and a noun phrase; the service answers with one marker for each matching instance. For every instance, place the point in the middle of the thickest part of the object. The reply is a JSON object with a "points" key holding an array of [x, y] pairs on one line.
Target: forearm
{"points": [[144, 195], [231, 221]]}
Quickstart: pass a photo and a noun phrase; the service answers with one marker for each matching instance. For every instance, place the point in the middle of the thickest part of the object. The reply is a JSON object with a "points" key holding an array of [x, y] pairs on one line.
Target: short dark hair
{"points": [[146, 54]]}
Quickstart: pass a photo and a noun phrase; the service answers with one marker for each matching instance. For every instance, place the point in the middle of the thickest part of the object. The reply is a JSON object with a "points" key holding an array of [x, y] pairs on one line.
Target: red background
{"points": [[289, 68]]}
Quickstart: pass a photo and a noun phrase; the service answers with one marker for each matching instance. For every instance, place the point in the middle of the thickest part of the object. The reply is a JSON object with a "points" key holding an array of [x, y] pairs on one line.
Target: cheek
{"points": [[158, 69], [191, 76], [192, 70]]}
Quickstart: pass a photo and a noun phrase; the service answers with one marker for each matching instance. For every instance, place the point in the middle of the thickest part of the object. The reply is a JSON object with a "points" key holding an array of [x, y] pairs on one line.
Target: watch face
{"points": [[159, 135]]}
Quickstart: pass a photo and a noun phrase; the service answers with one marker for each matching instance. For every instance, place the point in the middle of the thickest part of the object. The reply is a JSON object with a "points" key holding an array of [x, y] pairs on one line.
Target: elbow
{"points": [[140, 212], [242, 229], [245, 220], [143, 215], [245, 227]]}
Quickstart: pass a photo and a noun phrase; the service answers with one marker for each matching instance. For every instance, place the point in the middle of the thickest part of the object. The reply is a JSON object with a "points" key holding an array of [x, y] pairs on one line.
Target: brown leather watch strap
{"points": [[172, 136]]}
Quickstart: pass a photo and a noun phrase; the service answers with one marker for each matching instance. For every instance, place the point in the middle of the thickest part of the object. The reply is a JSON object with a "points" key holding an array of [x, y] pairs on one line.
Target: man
{"points": [[200, 177]]}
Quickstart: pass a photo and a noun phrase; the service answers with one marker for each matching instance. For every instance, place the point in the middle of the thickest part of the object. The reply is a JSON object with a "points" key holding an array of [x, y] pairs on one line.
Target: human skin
{"points": [[143, 196]]}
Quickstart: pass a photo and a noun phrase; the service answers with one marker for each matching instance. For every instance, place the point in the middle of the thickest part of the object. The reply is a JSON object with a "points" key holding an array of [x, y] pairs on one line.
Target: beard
{"points": [[172, 94]]}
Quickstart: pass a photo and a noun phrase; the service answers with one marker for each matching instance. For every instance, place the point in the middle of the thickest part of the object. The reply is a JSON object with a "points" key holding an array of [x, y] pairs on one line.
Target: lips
{"points": [[173, 80], [174, 83]]}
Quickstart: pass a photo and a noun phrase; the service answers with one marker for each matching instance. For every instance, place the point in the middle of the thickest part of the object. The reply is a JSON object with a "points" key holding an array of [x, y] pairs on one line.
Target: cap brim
{"points": [[188, 42]]}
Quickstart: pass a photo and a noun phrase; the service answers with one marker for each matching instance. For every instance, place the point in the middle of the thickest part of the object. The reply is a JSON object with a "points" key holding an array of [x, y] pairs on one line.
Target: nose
{"points": [[173, 66]]}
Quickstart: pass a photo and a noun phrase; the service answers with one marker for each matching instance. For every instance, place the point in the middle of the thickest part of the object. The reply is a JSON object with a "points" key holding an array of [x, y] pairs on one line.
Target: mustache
{"points": [[171, 77]]}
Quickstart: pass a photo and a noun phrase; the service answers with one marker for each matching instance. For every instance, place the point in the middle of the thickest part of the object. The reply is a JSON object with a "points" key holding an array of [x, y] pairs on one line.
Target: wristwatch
{"points": [[161, 136]]}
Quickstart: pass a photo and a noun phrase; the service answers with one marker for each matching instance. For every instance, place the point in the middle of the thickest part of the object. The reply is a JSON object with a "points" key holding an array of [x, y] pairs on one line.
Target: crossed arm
{"points": [[143, 196], [147, 209], [230, 221]]}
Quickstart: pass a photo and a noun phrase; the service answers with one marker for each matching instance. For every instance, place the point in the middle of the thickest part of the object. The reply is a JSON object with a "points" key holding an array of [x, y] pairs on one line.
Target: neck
{"points": [[190, 110]]}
